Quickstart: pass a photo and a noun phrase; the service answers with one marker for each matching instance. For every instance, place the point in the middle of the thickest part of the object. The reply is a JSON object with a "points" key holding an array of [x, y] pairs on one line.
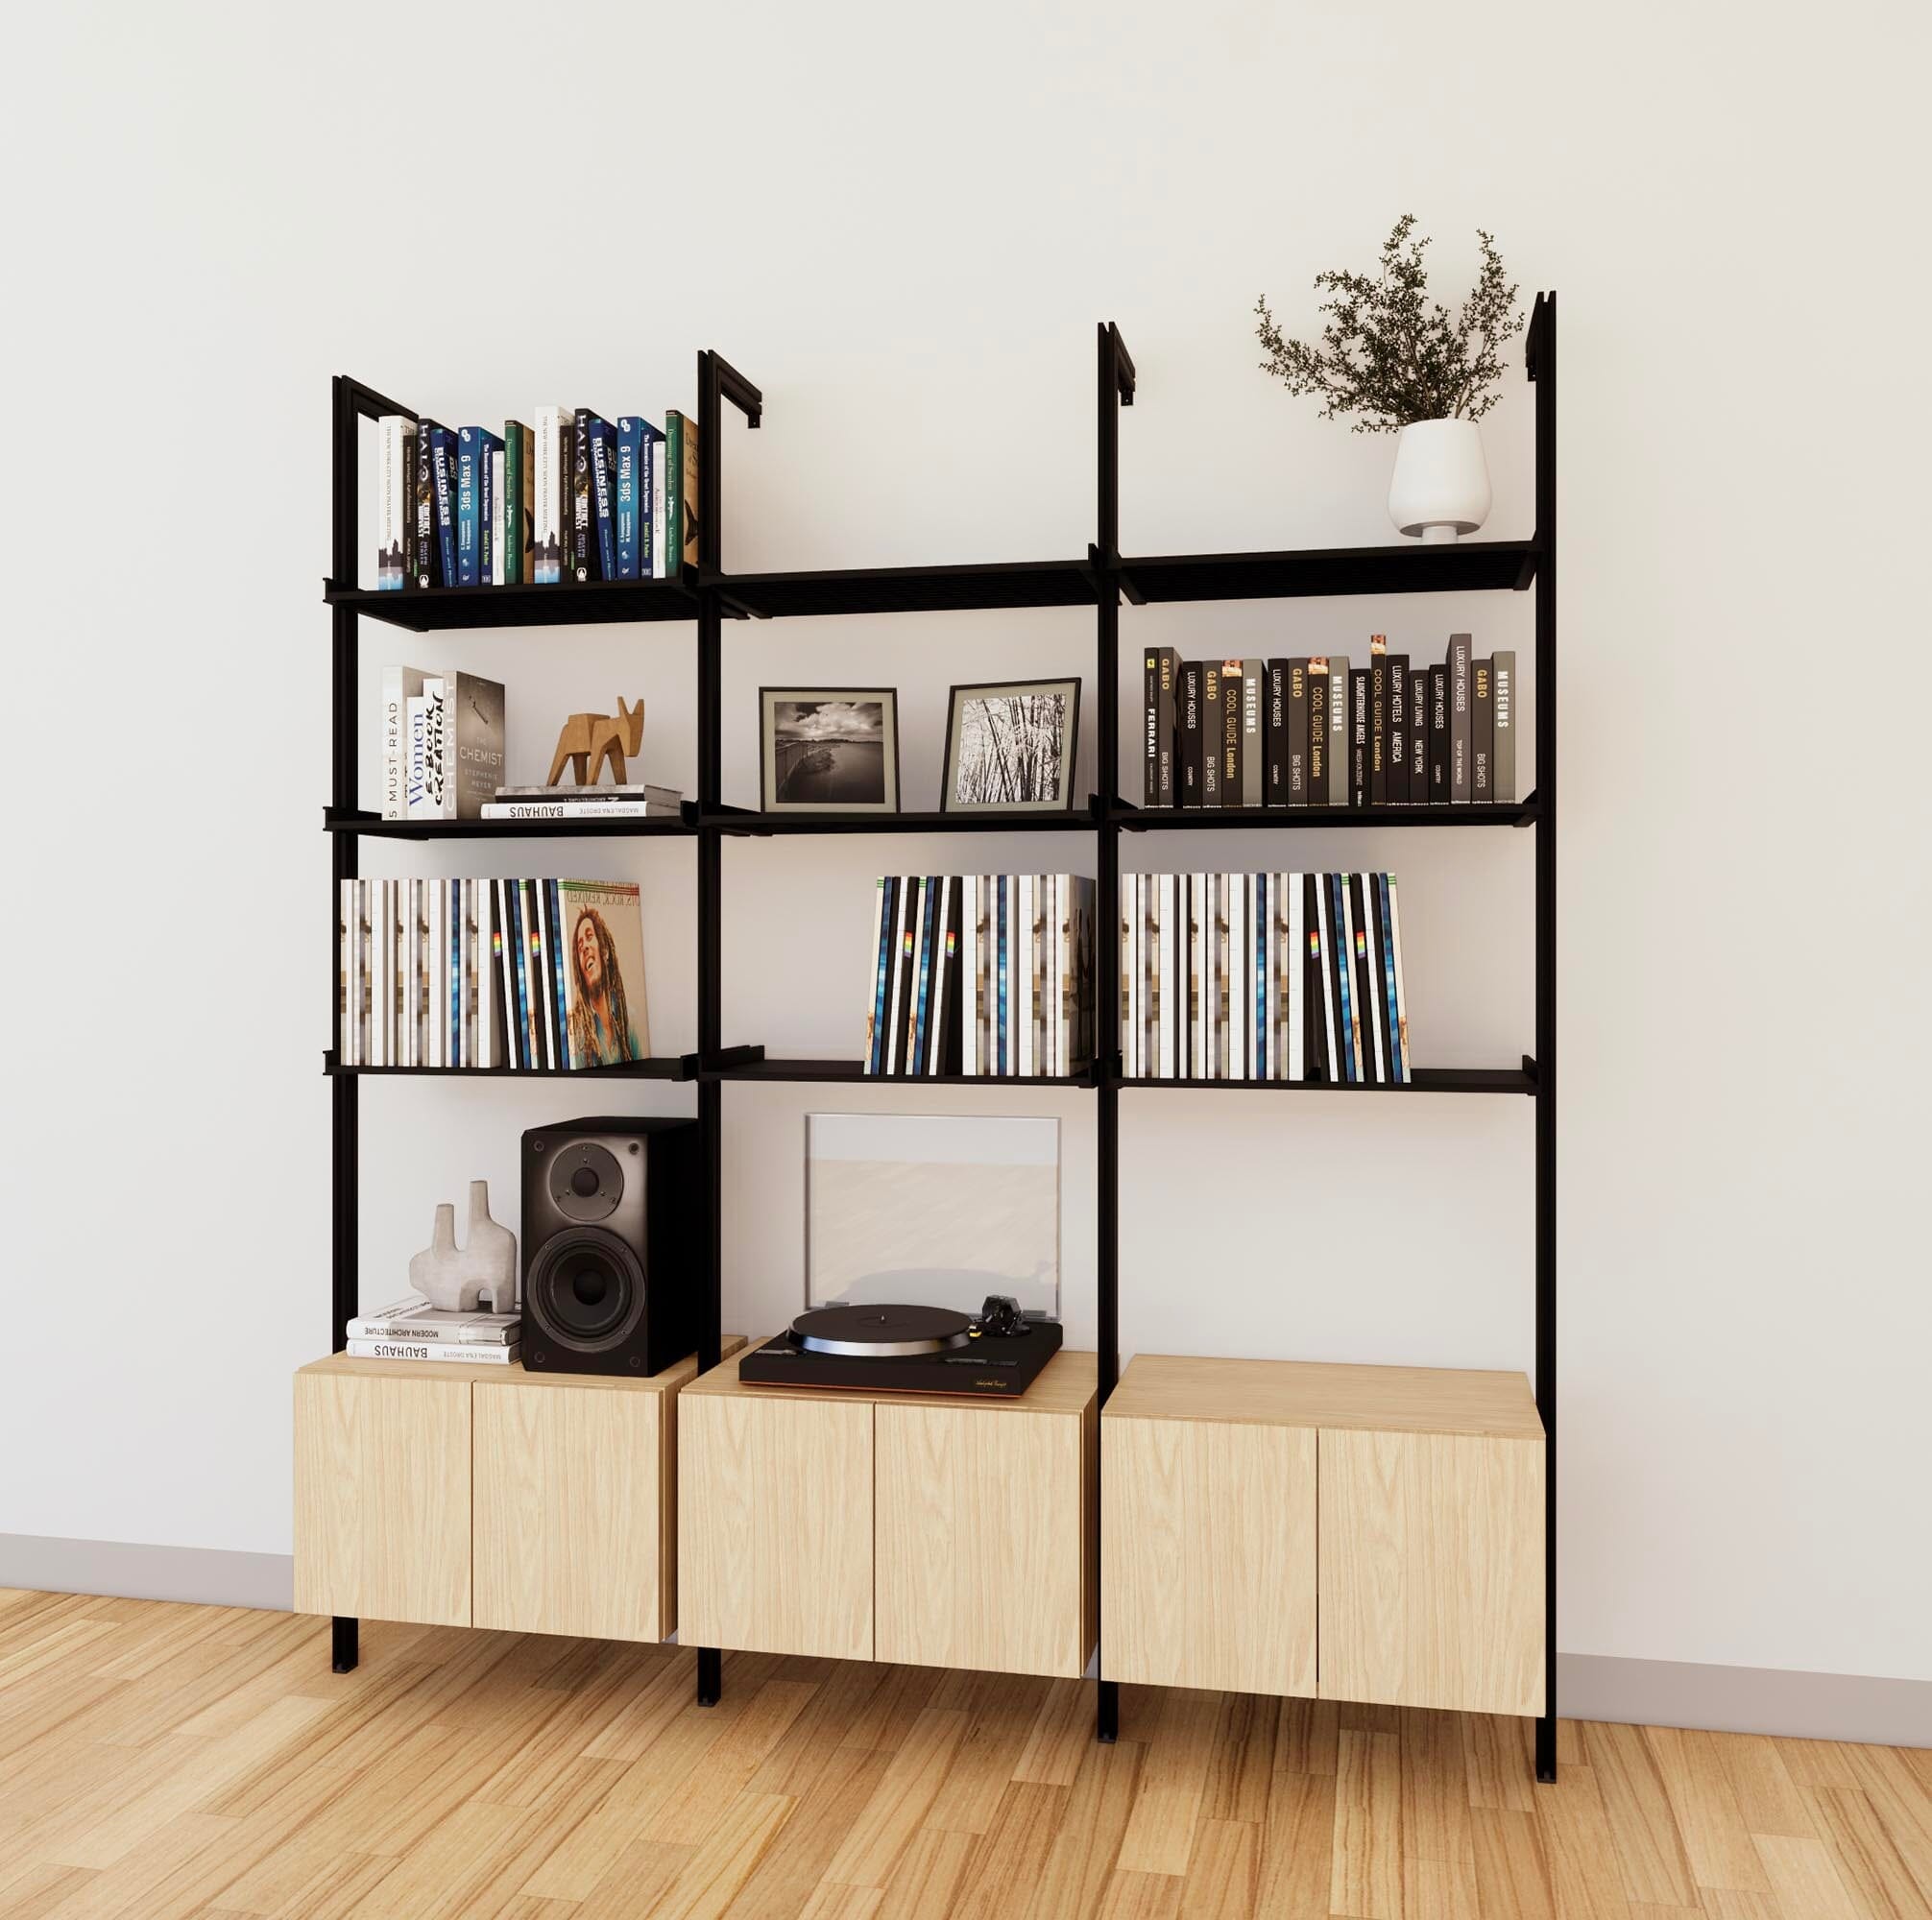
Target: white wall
{"points": [[903, 224]]}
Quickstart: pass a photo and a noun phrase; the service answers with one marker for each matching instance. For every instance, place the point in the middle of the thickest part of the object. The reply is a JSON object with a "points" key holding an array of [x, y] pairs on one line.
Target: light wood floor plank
{"points": [[1651, 1859], [902, 1799], [1716, 1839], [1220, 1882], [1875, 1871], [1011, 1857], [1074, 1881], [1513, 1871], [1804, 1879], [1159, 1835], [1298, 1842], [1365, 1861]]}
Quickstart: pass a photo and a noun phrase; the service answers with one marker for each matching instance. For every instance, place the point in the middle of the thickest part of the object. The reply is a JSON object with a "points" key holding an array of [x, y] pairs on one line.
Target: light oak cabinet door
{"points": [[382, 1496], [983, 1530], [571, 1499], [774, 1523], [1208, 1546], [1432, 1571]]}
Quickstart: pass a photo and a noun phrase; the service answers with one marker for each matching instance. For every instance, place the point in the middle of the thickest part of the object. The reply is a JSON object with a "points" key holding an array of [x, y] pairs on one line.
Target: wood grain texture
{"points": [[1208, 1548], [382, 1467], [981, 1539], [487, 1776], [774, 1520], [1431, 1570]]}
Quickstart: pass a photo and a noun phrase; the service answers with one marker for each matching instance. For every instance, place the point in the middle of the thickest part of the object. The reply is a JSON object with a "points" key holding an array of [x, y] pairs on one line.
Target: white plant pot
{"points": [[1440, 486]]}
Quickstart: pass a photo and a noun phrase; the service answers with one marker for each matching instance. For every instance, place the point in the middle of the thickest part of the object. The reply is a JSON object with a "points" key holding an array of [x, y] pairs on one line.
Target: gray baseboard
{"points": [[1591, 1687], [1745, 1700], [132, 1571]]}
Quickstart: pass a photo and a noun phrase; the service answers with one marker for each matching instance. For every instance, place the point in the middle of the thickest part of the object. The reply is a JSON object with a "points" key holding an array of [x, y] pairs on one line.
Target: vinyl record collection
{"points": [[1315, 732], [578, 499], [985, 975], [540, 975], [1294, 977]]}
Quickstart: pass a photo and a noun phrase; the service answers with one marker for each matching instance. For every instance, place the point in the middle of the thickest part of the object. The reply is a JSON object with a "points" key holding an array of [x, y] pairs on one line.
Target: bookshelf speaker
{"points": [[610, 1281]]}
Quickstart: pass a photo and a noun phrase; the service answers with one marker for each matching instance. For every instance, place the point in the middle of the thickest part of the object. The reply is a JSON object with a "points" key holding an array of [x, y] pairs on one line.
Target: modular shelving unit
{"points": [[708, 596]]}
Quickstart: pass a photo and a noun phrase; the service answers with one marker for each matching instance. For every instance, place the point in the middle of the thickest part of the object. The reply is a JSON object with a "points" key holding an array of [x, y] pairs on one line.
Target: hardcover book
{"points": [[1503, 695], [1378, 721], [428, 547], [681, 491], [1190, 717], [1211, 732], [1438, 735], [1338, 730], [604, 495], [1318, 730], [1459, 718], [1398, 729], [1253, 731], [586, 549], [519, 518], [1357, 738], [400, 685], [473, 744], [1231, 777], [1482, 731], [1418, 736], [443, 483], [639, 444], [394, 501], [1166, 693], [1295, 726], [550, 444]]}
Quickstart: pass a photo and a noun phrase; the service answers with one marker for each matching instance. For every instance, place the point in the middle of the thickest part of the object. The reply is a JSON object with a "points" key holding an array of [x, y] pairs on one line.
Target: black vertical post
{"points": [[1115, 389], [1542, 365], [717, 381]]}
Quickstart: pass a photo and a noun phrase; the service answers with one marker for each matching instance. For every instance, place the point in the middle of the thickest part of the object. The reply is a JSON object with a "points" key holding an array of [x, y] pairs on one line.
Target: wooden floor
{"points": [[161, 1762]]}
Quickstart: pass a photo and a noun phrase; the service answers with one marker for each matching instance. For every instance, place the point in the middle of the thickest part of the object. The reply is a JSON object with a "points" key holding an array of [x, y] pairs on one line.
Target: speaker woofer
{"points": [[586, 1289]]}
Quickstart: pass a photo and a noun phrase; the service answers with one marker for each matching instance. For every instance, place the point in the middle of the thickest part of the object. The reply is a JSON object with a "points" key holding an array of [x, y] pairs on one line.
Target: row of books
{"points": [[575, 498], [987, 974], [1294, 977], [538, 974], [410, 1329], [1314, 732], [443, 743]]}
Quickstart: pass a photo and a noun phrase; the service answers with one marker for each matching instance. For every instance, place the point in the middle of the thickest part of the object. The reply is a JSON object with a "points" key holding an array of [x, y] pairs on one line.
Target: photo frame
{"points": [[828, 750], [1011, 747]]}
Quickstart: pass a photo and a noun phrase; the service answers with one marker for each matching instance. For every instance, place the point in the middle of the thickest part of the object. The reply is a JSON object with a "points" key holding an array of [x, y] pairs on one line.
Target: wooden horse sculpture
{"points": [[588, 740]]}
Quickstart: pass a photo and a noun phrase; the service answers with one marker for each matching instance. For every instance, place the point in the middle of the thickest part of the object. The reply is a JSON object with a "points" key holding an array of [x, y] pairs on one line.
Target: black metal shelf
{"points": [[1427, 1080], [909, 589], [668, 1066], [1211, 819], [742, 821], [852, 1073], [371, 826], [1466, 566], [435, 610]]}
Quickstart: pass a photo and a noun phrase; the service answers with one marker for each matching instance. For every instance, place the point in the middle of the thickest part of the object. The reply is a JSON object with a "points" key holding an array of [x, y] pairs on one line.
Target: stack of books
{"points": [[413, 1330], [1314, 732], [634, 801], [539, 975], [986, 974], [1293, 978], [576, 497], [442, 744]]}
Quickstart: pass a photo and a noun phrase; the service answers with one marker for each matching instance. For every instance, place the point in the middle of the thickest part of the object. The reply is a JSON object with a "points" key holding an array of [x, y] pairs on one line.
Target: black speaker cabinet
{"points": [[610, 1273]]}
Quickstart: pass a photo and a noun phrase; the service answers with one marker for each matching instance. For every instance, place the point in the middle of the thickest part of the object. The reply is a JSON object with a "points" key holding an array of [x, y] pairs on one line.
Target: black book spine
{"points": [[1358, 736], [1295, 722], [1168, 785], [1279, 787], [428, 549], [1438, 735], [1502, 754], [1318, 730], [1211, 732], [1314, 1018], [1363, 983], [585, 559], [1190, 733], [1151, 730], [1418, 736], [1482, 731], [1398, 729], [1378, 722], [1458, 718], [1230, 733]]}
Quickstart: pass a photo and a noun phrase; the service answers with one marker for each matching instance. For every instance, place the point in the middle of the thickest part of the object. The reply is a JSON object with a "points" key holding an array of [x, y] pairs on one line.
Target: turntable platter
{"points": [[881, 1333]]}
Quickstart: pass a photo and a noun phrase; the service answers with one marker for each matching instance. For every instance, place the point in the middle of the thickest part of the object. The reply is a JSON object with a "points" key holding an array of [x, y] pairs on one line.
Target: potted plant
{"points": [[1397, 360]]}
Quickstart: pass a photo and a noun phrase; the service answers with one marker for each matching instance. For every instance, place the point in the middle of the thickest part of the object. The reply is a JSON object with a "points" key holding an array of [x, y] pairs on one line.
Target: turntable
{"points": [[909, 1219]]}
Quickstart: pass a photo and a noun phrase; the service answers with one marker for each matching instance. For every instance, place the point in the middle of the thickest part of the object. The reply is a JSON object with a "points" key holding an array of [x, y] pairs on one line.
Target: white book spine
{"points": [[1026, 973], [1401, 994], [547, 489], [1268, 1011], [429, 1350], [579, 811], [407, 895], [1060, 909], [539, 899], [1325, 933], [1130, 990], [936, 1019], [1196, 1062], [497, 481], [1165, 982], [660, 459], [1237, 976], [1295, 954], [871, 1027], [969, 975]]}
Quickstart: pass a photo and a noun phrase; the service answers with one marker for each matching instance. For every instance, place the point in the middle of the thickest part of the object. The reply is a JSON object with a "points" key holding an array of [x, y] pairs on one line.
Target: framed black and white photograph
{"points": [[828, 750], [1009, 747]]}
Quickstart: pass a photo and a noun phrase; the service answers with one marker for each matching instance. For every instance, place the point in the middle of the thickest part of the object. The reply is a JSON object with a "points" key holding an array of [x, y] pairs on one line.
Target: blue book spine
{"points": [[557, 938], [1345, 965], [468, 499], [876, 1058], [628, 448], [604, 496], [443, 479]]}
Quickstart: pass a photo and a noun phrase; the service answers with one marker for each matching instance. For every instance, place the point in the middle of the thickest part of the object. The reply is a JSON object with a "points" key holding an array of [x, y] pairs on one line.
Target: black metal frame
{"points": [[710, 596]]}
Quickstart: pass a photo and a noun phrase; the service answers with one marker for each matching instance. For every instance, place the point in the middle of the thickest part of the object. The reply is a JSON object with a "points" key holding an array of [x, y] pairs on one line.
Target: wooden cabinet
{"points": [[382, 1491], [940, 1532], [488, 1497], [1360, 1533]]}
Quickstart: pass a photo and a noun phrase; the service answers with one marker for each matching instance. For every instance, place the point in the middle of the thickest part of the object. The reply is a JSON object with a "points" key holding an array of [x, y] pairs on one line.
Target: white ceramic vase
{"points": [[1440, 486], [454, 1279]]}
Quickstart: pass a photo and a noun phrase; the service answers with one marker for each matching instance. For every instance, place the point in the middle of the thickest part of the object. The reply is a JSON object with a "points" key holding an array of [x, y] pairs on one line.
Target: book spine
{"points": [[1003, 1052], [430, 1332], [1401, 993], [1168, 792], [660, 484], [1189, 727], [1230, 734], [1346, 1035], [583, 518], [1029, 1016], [423, 497], [395, 502], [1211, 733], [442, 484], [935, 988], [468, 499], [1503, 694], [1378, 721], [503, 996], [581, 809], [518, 499], [1481, 731], [1438, 735], [537, 912], [684, 476], [559, 997], [1294, 967], [1338, 730], [969, 975], [919, 1026], [426, 1350], [1253, 733], [1390, 995], [1320, 939], [628, 447], [1151, 730], [489, 493], [603, 496], [1294, 728], [873, 956], [1398, 729], [1274, 735], [497, 479], [552, 531], [1357, 738], [1458, 718], [1362, 934], [1318, 730]]}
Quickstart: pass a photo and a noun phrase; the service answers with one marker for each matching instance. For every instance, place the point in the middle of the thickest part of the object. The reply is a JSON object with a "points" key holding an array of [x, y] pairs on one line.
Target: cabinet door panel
{"points": [[1208, 1542], [981, 1538], [568, 1511], [1432, 1571], [382, 1497], [775, 1524]]}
